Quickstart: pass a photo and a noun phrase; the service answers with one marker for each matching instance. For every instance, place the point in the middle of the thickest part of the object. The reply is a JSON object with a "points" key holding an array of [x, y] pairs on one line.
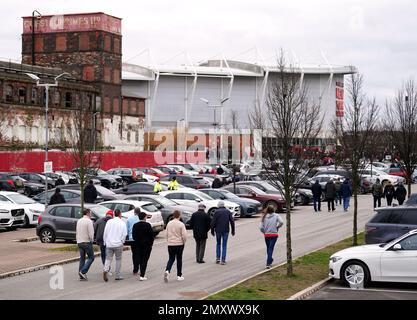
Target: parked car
{"points": [[28, 188], [127, 207], [59, 221], [190, 196], [102, 192], [181, 170], [108, 181], [389, 223], [71, 196], [37, 178], [69, 177], [382, 176], [195, 182], [11, 215], [138, 188], [7, 182], [32, 208], [394, 261], [128, 175], [399, 172], [152, 172], [254, 193], [166, 206], [248, 207]]}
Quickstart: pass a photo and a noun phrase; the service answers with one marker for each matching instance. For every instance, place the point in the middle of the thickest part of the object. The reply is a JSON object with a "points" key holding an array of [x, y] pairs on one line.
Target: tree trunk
{"points": [[289, 247], [409, 187], [355, 216]]}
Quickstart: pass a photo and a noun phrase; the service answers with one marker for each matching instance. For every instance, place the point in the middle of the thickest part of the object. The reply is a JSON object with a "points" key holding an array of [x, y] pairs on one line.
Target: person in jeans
{"points": [[346, 192], [114, 237], [200, 223], [269, 226], [317, 191], [222, 218], [142, 234], [135, 254], [85, 238], [330, 191], [99, 226], [176, 238]]}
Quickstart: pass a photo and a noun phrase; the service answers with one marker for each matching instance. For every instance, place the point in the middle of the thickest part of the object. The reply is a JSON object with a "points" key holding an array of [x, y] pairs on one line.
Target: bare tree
{"points": [[401, 123], [292, 123], [355, 129], [82, 141]]}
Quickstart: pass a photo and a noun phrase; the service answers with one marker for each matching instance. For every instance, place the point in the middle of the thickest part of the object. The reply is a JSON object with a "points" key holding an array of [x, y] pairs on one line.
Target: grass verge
{"points": [[72, 248], [275, 285]]}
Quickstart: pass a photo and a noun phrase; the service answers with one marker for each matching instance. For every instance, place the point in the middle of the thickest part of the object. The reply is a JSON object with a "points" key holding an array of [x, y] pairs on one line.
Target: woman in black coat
{"points": [[400, 193]]}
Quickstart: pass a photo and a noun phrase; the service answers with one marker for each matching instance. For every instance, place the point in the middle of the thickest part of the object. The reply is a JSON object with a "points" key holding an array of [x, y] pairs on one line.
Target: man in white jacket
{"points": [[114, 237]]}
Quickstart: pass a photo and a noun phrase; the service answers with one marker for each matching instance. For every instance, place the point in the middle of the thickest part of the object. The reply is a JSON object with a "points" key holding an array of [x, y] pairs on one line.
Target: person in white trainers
{"points": [[176, 238], [114, 237]]}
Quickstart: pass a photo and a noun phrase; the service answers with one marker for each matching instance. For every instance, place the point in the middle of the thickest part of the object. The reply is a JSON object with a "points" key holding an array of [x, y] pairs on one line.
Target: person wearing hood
{"points": [[330, 191], [389, 192], [346, 193], [90, 192], [400, 193], [57, 197], [269, 226]]}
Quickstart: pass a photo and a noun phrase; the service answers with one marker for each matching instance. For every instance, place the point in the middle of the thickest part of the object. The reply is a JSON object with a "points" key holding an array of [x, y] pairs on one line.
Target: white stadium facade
{"points": [[218, 95]]}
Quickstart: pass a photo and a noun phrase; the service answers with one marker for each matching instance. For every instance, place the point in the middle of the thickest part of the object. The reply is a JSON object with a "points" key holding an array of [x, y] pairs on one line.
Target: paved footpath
{"points": [[246, 257]]}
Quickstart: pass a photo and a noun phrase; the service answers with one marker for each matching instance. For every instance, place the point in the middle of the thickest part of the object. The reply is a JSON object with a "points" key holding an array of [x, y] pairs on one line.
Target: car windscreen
{"points": [[229, 195], [21, 199], [165, 202], [150, 207], [104, 191], [203, 195]]}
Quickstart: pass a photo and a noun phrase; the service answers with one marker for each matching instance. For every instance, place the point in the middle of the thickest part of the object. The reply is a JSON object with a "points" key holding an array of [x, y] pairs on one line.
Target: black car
{"points": [[37, 178], [139, 188], [195, 182], [28, 188], [390, 223], [102, 192]]}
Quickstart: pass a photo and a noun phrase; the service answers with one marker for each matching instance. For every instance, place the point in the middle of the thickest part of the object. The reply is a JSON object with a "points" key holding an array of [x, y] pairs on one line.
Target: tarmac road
{"points": [[246, 257]]}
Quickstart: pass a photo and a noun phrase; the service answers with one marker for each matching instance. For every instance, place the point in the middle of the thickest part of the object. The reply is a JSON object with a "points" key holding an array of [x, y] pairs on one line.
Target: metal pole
{"points": [[46, 140]]}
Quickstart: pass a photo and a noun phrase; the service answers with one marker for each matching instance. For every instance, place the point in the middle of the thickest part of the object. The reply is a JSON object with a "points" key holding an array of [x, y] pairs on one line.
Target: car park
{"points": [[138, 188], [395, 261], [251, 192], [102, 192], [195, 182], [28, 188], [128, 175], [70, 196], [248, 207], [11, 215], [389, 223], [127, 207], [59, 221], [190, 196], [107, 180], [32, 208], [166, 206], [382, 176]]}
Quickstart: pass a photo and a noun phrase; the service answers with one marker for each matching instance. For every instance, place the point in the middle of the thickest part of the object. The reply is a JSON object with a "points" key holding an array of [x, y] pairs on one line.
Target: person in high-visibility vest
{"points": [[157, 187], [173, 185]]}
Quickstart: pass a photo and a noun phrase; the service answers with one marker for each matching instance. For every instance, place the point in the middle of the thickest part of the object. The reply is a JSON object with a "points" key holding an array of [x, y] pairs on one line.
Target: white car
{"points": [[11, 215], [382, 176], [32, 208], [377, 165], [395, 261], [179, 168], [192, 196], [127, 208]]}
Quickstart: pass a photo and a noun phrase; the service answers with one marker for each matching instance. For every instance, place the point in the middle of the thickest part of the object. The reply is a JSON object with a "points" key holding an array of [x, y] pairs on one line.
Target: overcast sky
{"points": [[378, 37]]}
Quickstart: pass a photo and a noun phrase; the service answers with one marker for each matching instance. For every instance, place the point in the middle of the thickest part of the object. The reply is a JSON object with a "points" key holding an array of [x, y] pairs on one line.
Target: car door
{"points": [[407, 221], [400, 265], [64, 222]]}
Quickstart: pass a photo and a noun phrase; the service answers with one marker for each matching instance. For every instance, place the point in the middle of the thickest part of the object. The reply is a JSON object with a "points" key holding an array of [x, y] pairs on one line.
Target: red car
{"points": [[250, 192], [396, 172]]}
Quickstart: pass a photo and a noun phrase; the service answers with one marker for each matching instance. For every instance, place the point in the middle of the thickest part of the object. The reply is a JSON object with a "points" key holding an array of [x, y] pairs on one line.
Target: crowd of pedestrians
{"points": [[389, 192]]}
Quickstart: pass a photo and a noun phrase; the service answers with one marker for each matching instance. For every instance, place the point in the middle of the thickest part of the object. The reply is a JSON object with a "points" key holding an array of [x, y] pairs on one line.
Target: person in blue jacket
{"points": [[346, 191]]}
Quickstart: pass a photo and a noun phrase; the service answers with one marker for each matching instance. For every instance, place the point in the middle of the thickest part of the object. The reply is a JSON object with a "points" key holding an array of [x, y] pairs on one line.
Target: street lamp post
{"points": [[33, 33], [46, 86], [215, 124]]}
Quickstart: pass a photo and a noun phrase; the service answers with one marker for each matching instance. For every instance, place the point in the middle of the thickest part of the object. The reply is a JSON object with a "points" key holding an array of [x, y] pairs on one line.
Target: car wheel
{"points": [[273, 204], [355, 273], [27, 223], [211, 212], [47, 235]]}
